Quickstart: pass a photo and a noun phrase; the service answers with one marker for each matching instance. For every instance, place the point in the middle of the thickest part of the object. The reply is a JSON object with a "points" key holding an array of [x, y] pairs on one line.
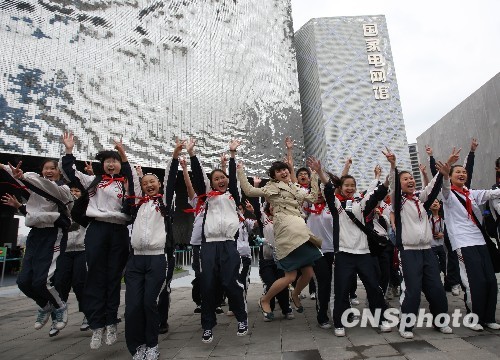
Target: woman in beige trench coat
{"points": [[296, 246]]}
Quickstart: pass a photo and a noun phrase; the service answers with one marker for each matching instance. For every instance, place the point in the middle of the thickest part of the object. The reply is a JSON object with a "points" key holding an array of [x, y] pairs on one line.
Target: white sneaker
{"points": [[53, 330], [85, 324], [475, 327], [96, 341], [455, 290], [325, 326], [385, 327], [290, 315], [354, 301], [313, 296], [140, 352], [339, 332], [152, 353], [302, 296], [61, 315], [493, 326], [110, 334], [42, 317], [446, 330], [406, 334]]}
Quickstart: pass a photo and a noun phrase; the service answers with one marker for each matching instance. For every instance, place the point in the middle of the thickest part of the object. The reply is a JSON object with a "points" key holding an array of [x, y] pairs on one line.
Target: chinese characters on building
{"points": [[376, 61]]}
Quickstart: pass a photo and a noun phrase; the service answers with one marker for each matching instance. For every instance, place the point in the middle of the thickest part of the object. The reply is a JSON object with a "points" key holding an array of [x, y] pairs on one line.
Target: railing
{"points": [[184, 258]]}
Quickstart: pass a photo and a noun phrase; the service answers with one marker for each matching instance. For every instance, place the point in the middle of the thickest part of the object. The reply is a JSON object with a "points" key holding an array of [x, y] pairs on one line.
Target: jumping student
{"points": [[145, 271], [296, 245], [351, 244], [437, 242], [320, 222], [418, 264], [106, 238], [71, 268], [461, 207], [220, 260], [47, 214]]}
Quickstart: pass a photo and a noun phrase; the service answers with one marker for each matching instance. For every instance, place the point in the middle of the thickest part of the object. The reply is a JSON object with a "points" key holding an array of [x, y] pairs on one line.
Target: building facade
{"points": [[478, 116], [349, 94], [415, 162], [149, 71]]}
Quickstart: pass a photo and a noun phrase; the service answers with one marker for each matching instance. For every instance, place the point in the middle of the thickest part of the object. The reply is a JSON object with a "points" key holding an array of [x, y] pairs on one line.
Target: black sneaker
{"points": [[207, 337], [242, 328], [164, 328], [198, 309], [218, 310]]}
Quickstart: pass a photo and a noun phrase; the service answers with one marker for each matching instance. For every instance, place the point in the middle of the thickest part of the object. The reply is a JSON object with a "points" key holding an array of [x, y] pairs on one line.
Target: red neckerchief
{"points": [[109, 180], [388, 201], [416, 201], [468, 203], [434, 224], [343, 198], [14, 185], [201, 201], [318, 208], [144, 199], [306, 186]]}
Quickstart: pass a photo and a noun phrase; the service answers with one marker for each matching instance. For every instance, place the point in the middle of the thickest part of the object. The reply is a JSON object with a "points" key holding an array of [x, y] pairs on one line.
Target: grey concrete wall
{"points": [[477, 116]]}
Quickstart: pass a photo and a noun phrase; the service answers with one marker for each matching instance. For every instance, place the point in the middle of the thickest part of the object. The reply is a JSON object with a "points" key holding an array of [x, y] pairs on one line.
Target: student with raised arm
{"points": [[350, 243], [418, 263], [47, 213], [468, 240], [145, 271], [106, 238], [296, 245], [220, 260]]}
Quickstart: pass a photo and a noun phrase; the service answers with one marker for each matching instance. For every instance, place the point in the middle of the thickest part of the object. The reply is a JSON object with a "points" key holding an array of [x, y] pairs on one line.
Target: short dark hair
{"points": [[453, 168], [275, 166], [214, 171], [303, 169], [53, 161], [108, 154]]}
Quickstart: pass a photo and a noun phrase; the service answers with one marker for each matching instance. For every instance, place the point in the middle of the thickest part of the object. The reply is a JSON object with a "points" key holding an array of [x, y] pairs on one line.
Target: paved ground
{"points": [[281, 339]]}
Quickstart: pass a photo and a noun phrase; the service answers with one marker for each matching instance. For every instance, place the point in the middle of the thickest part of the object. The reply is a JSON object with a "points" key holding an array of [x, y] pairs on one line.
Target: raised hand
{"points": [[11, 200], [455, 155], [256, 181], [190, 146], [69, 142], [289, 143], [348, 161], [428, 150], [474, 144], [119, 146], [183, 163], [88, 168], [249, 206], [443, 168], [391, 157], [233, 145], [240, 165], [423, 168], [314, 164], [138, 170], [223, 159], [377, 171], [179, 145], [16, 171]]}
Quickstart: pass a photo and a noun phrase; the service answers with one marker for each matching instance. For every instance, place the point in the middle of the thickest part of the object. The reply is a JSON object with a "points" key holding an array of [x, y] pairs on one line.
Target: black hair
{"points": [[267, 208], [404, 172], [497, 162], [453, 168], [338, 182], [53, 161], [108, 154], [303, 169], [210, 176], [275, 166]]}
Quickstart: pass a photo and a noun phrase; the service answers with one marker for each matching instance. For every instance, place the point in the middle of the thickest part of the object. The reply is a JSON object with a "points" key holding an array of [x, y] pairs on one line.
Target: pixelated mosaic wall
{"points": [[349, 94], [150, 71]]}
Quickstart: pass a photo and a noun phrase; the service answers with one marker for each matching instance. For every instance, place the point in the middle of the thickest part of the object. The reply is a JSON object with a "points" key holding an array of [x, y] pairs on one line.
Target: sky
{"points": [[443, 50]]}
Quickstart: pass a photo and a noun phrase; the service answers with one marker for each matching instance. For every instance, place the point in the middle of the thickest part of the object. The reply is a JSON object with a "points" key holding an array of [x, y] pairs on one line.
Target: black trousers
{"points": [[323, 269], [346, 266], [36, 279], [145, 276], [71, 273], [441, 256], [452, 277], [480, 282], [269, 273], [196, 290], [420, 270], [385, 263], [106, 252], [220, 263], [164, 298]]}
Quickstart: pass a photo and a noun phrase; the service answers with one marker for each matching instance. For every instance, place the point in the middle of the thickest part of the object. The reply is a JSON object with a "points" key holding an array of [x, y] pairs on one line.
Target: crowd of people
{"points": [[315, 228]]}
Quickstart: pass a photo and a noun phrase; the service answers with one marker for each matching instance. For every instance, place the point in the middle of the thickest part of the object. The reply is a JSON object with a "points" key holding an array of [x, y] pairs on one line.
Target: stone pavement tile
{"points": [[262, 348], [455, 344], [333, 342], [168, 353], [195, 351], [387, 358], [472, 354], [376, 350], [428, 356], [487, 342], [368, 337], [235, 351], [297, 344], [302, 355], [268, 356], [415, 346], [339, 353]]}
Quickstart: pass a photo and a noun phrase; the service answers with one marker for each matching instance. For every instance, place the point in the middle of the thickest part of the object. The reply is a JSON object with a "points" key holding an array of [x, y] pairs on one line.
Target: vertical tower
{"points": [[349, 94]]}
